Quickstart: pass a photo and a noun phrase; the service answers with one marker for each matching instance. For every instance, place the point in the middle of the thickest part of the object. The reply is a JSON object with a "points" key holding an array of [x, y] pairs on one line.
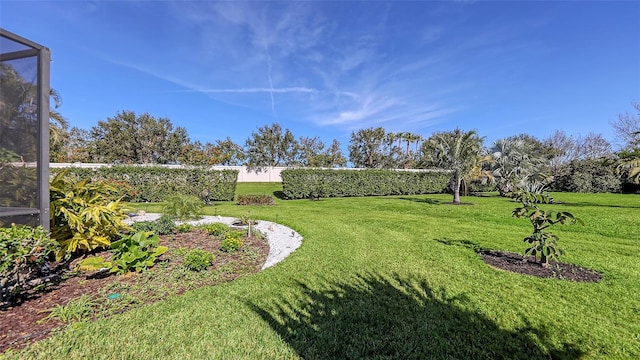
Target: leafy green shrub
{"points": [[157, 183], [83, 216], [216, 229], [256, 199], [198, 260], [315, 183], [23, 250], [542, 242], [136, 252], [182, 207], [184, 228], [164, 225], [232, 241], [93, 263], [588, 176]]}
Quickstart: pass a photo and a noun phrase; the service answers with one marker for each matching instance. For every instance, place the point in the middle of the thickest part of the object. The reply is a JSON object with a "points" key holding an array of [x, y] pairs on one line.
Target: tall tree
{"points": [[456, 151], [229, 153], [365, 148], [271, 146], [627, 128], [135, 139]]}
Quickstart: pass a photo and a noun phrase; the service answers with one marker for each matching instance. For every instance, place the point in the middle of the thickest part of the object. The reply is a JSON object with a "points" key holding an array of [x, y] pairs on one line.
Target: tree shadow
{"points": [[463, 243], [590, 204], [425, 200], [280, 195], [394, 317]]}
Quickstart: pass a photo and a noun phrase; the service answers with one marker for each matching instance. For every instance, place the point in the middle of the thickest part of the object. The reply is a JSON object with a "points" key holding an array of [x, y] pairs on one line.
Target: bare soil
{"points": [[519, 264], [24, 322]]}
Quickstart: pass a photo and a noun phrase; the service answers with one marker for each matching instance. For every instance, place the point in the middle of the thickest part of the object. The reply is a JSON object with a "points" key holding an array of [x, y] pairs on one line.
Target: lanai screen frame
{"points": [[43, 55]]}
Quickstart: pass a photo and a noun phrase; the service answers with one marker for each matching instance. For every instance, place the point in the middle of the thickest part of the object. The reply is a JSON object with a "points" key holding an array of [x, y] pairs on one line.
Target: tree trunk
{"points": [[455, 186]]}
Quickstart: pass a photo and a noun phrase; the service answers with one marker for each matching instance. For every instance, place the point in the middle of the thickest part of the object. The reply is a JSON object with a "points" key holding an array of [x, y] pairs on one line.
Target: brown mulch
{"points": [[517, 263], [22, 323]]}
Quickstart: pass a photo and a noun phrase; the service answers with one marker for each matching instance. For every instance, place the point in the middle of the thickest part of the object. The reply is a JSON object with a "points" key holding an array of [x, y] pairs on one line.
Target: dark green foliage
{"points": [[164, 225], [198, 260], [315, 184], [215, 229], [157, 183], [136, 252], [232, 241], [182, 207], [543, 243], [256, 199], [588, 176], [23, 250]]}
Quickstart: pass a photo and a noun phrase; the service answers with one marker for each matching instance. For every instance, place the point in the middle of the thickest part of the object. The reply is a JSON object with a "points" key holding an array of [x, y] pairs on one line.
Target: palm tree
{"points": [[514, 166], [456, 151]]}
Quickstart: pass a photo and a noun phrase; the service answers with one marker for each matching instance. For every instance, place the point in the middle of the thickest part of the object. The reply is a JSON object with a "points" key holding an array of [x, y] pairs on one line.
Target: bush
{"points": [[588, 176], [198, 260], [315, 184], [232, 241], [156, 183], [216, 229], [182, 207], [164, 225], [83, 216], [256, 199], [23, 251]]}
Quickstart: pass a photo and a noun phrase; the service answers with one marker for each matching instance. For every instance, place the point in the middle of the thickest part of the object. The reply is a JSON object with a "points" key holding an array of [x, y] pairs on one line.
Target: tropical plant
{"points": [[541, 242], [517, 166], [23, 251], [183, 207], [456, 151], [136, 252], [83, 216]]}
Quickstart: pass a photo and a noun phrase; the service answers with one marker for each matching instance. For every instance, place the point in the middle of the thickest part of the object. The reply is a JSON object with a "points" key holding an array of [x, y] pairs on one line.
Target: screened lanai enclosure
{"points": [[24, 131]]}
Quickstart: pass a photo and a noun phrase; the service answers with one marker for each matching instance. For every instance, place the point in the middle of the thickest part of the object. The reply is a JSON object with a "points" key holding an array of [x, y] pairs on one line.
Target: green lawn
{"points": [[391, 277]]}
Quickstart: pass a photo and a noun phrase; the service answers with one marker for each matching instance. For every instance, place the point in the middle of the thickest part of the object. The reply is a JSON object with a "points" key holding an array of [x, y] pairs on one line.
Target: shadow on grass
{"points": [[426, 200], [393, 317], [463, 243], [280, 195], [590, 204]]}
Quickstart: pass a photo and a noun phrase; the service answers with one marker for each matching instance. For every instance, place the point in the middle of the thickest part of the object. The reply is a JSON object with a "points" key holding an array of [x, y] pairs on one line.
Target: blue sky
{"points": [[327, 68]]}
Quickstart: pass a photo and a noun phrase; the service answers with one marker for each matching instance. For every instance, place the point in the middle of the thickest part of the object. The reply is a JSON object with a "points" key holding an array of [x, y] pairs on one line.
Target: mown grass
{"points": [[395, 277]]}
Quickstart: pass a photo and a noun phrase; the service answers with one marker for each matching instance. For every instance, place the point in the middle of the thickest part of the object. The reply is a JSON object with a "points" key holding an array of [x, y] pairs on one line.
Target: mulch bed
{"points": [[517, 263], [21, 322]]}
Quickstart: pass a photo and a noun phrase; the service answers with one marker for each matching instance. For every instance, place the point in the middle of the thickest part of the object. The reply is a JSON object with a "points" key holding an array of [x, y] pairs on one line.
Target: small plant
{"points": [[542, 242], [216, 229], [246, 219], [136, 252], [93, 263], [23, 250], [198, 260], [75, 310], [256, 199], [232, 241], [184, 228], [183, 207]]}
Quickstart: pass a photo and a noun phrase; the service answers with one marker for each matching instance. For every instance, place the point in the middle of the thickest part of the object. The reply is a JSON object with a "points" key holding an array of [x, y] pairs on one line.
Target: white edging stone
{"points": [[282, 240]]}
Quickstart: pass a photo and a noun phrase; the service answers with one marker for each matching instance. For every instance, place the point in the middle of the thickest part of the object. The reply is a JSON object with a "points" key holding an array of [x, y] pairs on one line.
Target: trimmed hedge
{"points": [[315, 183], [156, 183]]}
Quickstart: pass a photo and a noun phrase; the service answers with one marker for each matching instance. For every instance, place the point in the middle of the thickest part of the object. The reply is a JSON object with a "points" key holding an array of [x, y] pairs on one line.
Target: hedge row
{"points": [[156, 183], [304, 183]]}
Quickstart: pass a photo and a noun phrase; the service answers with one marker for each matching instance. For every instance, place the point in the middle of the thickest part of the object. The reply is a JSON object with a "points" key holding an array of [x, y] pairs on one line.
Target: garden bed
{"points": [[109, 294]]}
